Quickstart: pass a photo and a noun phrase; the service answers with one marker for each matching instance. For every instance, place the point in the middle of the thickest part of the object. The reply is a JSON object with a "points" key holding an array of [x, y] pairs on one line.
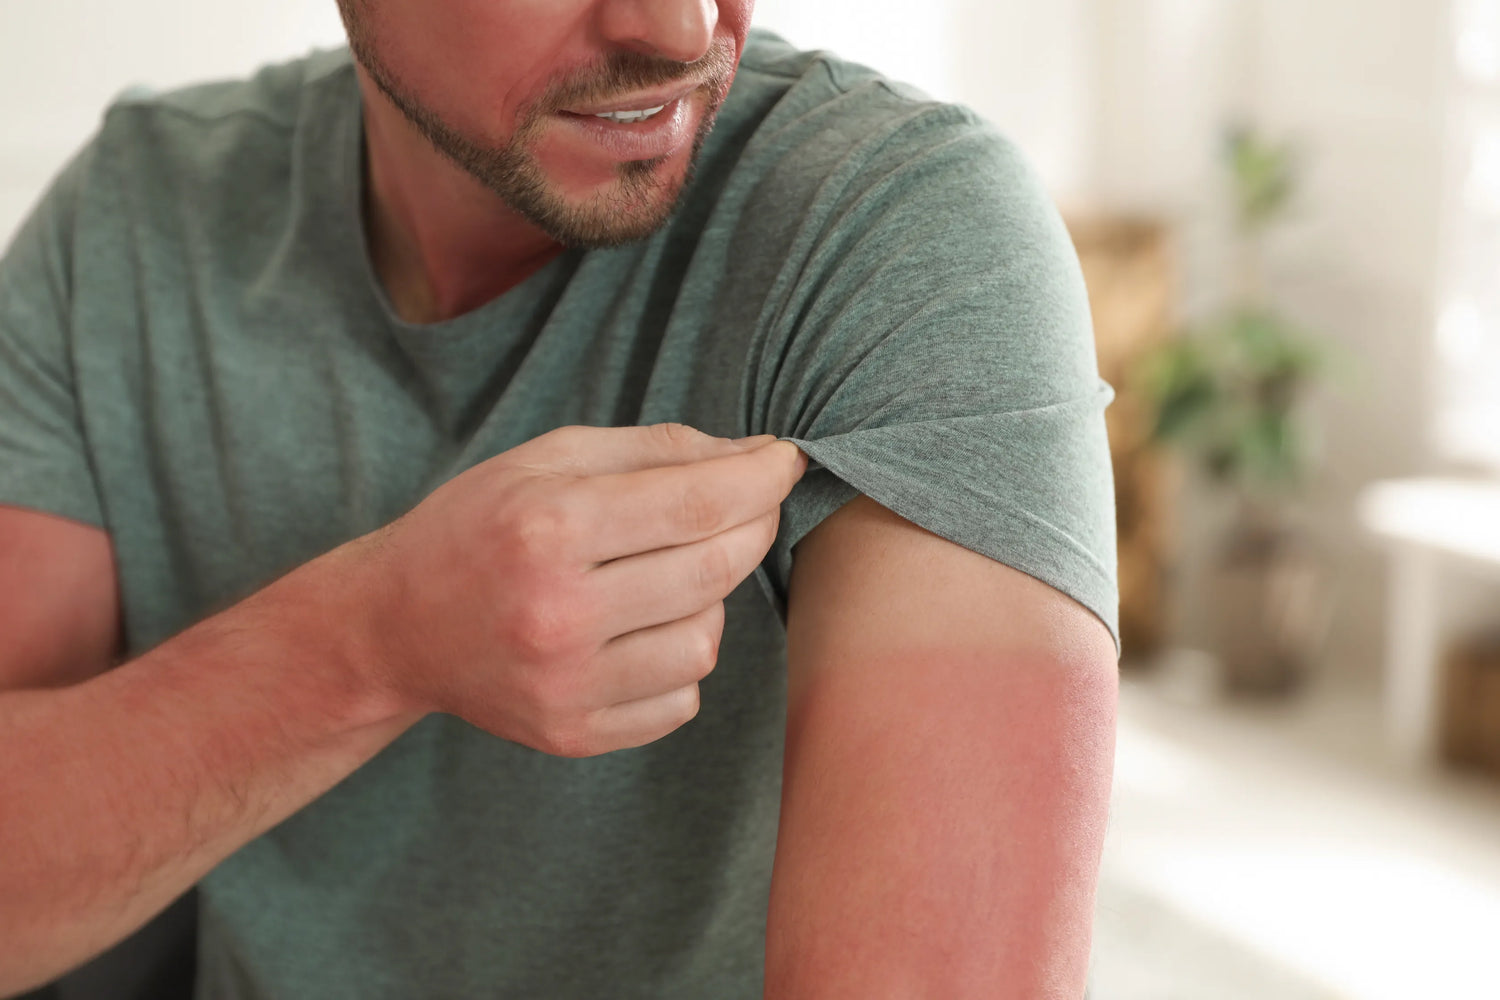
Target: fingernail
{"points": [[751, 443], [801, 457]]}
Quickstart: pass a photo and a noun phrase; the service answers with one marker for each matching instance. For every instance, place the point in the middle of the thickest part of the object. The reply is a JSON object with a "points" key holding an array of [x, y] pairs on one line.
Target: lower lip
{"points": [[659, 136]]}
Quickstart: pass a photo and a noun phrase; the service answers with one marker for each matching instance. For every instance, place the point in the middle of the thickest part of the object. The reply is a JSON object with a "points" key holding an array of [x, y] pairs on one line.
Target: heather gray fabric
{"points": [[194, 354]]}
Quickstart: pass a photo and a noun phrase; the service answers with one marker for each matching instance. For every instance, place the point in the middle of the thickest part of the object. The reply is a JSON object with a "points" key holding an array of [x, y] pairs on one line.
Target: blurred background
{"points": [[1288, 213]]}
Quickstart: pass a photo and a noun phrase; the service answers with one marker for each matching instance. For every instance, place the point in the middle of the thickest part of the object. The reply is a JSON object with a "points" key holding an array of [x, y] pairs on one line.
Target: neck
{"points": [[442, 244]]}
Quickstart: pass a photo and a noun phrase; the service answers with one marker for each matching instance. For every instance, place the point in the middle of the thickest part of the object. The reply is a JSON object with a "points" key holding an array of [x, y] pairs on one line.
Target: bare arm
{"points": [[59, 602], [950, 733], [118, 793]]}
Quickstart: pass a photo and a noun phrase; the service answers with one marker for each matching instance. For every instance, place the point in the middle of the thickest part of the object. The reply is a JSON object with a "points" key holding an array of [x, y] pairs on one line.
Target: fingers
{"points": [[637, 723], [680, 504], [597, 451], [653, 661], [662, 586]]}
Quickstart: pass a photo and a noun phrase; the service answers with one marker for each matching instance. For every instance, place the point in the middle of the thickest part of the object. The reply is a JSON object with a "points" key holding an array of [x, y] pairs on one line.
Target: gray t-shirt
{"points": [[195, 355]]}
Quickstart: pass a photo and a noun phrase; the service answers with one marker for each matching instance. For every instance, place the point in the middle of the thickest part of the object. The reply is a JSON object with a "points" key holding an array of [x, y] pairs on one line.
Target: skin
{"points": [[949, 752], [473, 182]]}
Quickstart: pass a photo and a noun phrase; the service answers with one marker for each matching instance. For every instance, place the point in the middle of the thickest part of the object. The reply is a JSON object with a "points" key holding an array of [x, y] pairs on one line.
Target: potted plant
{"points": [[1227, 395]]}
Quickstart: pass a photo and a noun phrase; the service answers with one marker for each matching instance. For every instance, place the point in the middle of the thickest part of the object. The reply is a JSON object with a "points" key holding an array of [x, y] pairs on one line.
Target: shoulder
{"points": [[823, 85], [206, 139], [825, 145], [193, 167], [272, 98], [817, 104]]}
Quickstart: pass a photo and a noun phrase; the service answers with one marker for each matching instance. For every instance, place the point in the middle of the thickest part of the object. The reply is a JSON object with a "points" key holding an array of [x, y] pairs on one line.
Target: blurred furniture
{"points": [[1430, 526], [1469, 732], [1127, 265]]}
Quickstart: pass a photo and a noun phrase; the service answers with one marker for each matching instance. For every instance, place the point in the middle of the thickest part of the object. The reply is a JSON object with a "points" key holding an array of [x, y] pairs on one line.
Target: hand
{"points": [[568, 594]]}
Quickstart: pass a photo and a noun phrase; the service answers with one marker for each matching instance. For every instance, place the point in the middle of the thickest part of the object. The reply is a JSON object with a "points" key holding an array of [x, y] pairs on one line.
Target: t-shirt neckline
{"points": [[509, 305]]}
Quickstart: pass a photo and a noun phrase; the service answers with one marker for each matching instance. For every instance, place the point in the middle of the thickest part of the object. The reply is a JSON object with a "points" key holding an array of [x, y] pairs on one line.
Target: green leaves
{"points": [[1264, 177], [1227, 393]]}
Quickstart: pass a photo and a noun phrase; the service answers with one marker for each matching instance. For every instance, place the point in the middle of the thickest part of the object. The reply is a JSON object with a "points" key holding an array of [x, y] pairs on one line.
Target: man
{"points": [[401, 429]]}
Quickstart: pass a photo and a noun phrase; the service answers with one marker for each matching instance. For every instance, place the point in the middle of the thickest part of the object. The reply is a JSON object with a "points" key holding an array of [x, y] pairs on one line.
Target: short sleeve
{"points": [[935, 353], [43, 458]]}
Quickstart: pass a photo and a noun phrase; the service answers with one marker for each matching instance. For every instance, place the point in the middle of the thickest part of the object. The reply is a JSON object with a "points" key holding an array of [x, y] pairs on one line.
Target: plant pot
{"points": [[1268, 602]]}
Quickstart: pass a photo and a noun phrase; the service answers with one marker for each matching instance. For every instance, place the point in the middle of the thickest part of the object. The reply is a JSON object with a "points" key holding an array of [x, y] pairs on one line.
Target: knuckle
{"points": [[692, 702], [677, 435], [705, 654], [716, 571], [567, 739], [694, 510], [542, 628], [544, 530], [554, 445]]}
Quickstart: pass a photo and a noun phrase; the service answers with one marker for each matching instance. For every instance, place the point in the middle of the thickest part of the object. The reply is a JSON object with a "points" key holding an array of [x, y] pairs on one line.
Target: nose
{"points": [[681, 30]]}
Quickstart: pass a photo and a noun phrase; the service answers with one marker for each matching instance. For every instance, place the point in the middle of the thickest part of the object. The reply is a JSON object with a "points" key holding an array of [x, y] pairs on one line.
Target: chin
{"points": [[630, 207]]}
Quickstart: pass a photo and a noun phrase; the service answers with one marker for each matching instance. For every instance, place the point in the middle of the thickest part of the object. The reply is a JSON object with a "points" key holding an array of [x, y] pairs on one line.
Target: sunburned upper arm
{"points": [[59, 600], [950, 730]]}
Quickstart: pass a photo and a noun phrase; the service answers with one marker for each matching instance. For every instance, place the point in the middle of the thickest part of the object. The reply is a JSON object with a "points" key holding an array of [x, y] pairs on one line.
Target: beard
{"points": [[641, 200]]}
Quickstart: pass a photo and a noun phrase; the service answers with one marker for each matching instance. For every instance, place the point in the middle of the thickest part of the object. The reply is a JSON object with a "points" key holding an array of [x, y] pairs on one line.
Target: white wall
{"points": [[1357, 85], [1034, 68], [1361, 82], [62, 60], [1027, 66], [880, 33]]}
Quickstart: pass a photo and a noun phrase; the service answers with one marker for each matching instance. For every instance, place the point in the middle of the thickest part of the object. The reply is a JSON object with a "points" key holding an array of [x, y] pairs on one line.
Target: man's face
{"points": [[512, 91]]}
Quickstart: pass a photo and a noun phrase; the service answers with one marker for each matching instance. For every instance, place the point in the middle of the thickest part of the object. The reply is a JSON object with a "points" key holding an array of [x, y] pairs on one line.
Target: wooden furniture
{"points": [[1469, 724], [1127, 265]]}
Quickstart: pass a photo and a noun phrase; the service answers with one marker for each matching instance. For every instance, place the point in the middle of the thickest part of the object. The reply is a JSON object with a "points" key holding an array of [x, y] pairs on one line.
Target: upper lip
{"points": [[641, 101]]}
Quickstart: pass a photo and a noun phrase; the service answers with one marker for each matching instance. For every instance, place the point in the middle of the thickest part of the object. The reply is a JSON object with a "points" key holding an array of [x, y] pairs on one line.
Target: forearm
{"points": [[121, 792]]}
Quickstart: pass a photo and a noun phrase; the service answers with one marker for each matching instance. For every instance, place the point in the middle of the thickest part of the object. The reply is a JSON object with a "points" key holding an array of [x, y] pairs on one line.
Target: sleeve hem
{"points": [[55, 496], [1012, 538]]}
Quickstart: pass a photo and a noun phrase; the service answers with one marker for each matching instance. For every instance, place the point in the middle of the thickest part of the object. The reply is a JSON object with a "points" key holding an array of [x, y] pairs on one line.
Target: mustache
{"points": [[626, 71]]}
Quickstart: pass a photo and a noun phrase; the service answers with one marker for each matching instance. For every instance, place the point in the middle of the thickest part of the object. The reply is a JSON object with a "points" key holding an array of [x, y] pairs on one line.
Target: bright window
{"points": [[1468, 329]]}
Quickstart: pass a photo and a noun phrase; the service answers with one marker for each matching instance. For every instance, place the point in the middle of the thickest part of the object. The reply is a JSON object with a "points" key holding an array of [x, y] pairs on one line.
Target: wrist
{"points": [[331, 606]]}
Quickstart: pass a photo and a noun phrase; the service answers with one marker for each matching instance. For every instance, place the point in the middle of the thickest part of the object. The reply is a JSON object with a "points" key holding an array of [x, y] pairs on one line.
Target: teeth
{"points": [[630, 116]]}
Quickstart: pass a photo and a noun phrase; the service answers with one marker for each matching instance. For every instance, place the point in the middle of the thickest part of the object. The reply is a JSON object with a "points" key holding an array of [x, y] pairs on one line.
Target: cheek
{"points": [[734, 17], [478, 63]]}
